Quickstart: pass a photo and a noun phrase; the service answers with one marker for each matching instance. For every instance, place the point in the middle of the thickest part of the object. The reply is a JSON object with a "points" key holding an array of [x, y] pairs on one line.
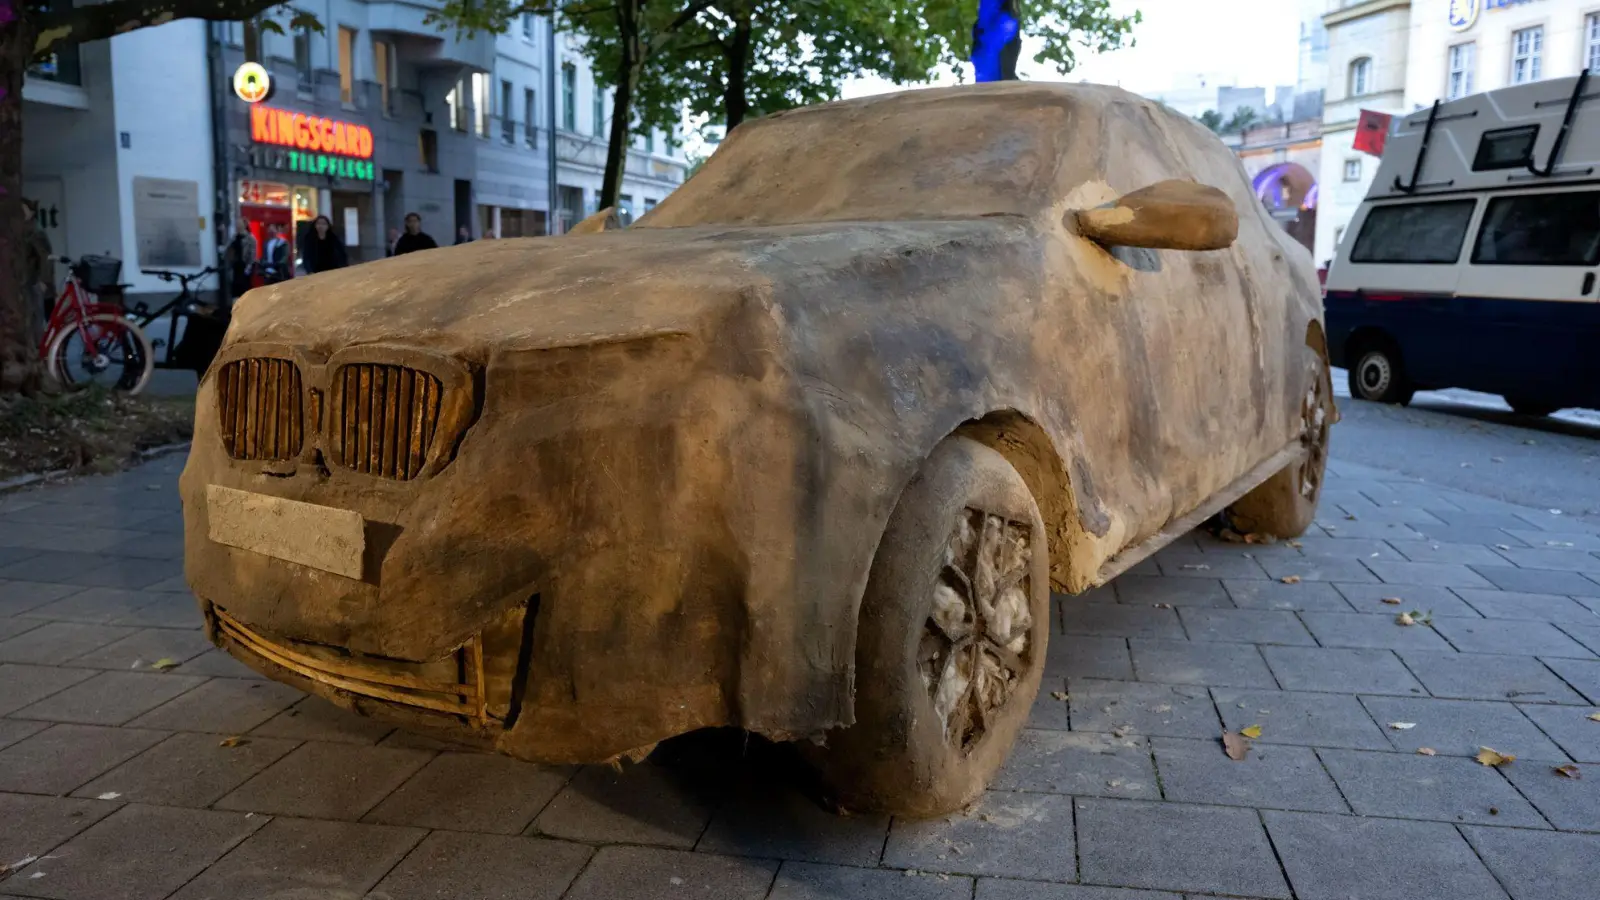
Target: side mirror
{"points": [[604, 220], [1169, 215]]}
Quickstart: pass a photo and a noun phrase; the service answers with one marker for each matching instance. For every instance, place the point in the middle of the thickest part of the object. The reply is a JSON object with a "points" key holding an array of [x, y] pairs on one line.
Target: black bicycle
{"points": [[204, 323]]}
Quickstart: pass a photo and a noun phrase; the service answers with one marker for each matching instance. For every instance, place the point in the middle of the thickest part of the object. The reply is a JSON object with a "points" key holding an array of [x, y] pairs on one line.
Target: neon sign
{"points": [[251, 83], [314, 134]]}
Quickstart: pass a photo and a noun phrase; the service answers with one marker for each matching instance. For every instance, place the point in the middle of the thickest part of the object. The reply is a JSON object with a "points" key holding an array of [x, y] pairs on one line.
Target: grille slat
{"points": [[260, 403], [389, 416]]}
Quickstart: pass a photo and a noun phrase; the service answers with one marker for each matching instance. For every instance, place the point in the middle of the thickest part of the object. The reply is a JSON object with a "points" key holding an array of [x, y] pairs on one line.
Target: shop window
{"points": [[347, 66], [428, 141], [569, 96]]}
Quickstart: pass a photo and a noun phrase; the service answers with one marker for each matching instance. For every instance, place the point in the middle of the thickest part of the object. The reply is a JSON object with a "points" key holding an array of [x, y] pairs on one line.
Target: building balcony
{"points": [[428, 45]]}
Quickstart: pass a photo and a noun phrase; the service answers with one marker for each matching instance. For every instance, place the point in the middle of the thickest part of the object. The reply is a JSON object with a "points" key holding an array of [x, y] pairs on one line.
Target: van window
{"points": [[1541, 230], [1413, 233]]}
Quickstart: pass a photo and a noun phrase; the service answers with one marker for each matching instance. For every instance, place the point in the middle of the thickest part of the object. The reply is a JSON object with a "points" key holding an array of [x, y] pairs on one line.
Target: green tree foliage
{"points": [[1211, 119], [1242, 118]]}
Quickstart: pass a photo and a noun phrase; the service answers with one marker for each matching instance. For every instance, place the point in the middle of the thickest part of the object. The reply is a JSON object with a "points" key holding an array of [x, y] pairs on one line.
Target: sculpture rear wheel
{"points": [[952, 640]]}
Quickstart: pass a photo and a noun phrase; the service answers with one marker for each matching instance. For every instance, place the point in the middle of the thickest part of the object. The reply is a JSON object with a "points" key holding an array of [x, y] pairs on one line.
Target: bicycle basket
{"points": [[98, 273]]}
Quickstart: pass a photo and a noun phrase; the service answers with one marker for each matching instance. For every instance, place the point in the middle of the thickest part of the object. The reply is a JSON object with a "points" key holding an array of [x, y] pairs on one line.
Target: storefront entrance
{"points": [[267, 206]]}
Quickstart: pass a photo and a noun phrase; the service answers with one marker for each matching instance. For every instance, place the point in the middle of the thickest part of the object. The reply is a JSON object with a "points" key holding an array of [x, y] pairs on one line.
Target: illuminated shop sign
{"points": [[336, 166], [311, 134]]}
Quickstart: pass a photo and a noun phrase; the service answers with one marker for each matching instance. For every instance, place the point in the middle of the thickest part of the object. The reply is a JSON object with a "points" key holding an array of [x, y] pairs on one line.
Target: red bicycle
{"points": [[89, 340]]}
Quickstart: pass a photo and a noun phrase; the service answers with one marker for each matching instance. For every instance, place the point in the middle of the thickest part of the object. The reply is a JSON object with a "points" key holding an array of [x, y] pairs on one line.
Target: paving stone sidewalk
{"points": [[114, 784]]}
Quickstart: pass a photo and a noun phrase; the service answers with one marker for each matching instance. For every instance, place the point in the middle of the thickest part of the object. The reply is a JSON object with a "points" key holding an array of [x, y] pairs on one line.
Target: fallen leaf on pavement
{"points": [[1235, 745], [1296, 544], [1569, 771], [1162, 605], [165, 662], [1491, 757], [1404, 619], [1594, 717], [1497, 459], [1427, 751], [1195, 567], [1392, 601], [1254, 731], [1058, 695], [109, 795], [231, 741], [1402, 726], [1502, 546], [1290, 579], [1350, 518]]}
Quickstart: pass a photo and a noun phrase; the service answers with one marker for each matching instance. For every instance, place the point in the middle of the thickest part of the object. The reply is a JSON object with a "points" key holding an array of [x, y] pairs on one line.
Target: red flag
{"points": [[1372, 132]]}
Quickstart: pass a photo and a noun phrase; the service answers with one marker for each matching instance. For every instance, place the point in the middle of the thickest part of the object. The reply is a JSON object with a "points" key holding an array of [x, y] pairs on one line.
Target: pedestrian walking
{"points": [[463, 236], [275, 257], [415, 238], [323, 250], [239, 257], [394, 238]]}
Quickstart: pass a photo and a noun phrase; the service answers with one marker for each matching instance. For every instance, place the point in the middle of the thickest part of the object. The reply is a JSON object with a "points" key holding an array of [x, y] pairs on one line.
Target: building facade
{"points": [[1399, 56]]}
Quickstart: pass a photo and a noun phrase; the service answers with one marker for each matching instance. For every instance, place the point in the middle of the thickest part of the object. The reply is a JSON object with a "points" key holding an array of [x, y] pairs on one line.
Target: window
{"points": [[649, 204], [458, 106], [650, 140], [302, 57], [347, 66], [1413, 232], [1361, 77], [480, 102], [383, 69], [1506, 148], [625, 209], [1459, 82], [569, 96], [530, 116], [1541, 230], [428, 142], [1352, 170], [508, 122], [1591, 42], [1338, 235], [599, 111], [252, 40], [1527, 55], [527, 27], [570, 206]]}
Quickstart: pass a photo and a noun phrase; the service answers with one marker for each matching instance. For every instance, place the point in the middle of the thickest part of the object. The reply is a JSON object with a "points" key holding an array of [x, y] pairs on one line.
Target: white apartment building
{"points": [[1399, 56]]}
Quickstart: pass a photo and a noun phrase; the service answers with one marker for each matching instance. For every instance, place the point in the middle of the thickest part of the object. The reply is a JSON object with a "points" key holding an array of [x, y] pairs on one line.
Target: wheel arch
{"points": [[1366, 336]]}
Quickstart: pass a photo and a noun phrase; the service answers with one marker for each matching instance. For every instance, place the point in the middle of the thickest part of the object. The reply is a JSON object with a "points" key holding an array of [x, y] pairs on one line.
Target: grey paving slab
{"points": [[176, 584], [1081, 763], [1275, 595], [22, 685], [223, 706], [1087, 657], [1442, 574], [1269, 777], [1149, 590], [649, 873], [1200, 663], [1369, 599], [33, 826], [326, 781], [126, 572], [1049, 710], [97, 606], [1444, 788], [1570, 727], [54, 566], [169, 610], [1582, 674], [1209, 566], [1027, 836], [53, 643], [1321, 568], [137, 853], [1176, 847], [809, 881], [1548, 520], [1483, 676], [772, 820], [62, 757], [171, 647], [1397, 513], [1496, 604], [1484, 535], [46, 538], [472, 792], [1135, 708], [1460, 727], [1445, 552], [186, 770], [1007, 889], [1115, 620], [1509, 636], [1378, 531], [14, 730], [1540, 865], [218, 663], [315, 719], [10, 628], [1587, 635], [298, 857], [643, 804], [153, 545], [1340, 670], [1373, 632], [1303, 719], [1557, 540], [1248, 626], [1347, 548], [1347, 857], [1540, 581], [1570, 803], [110, 698], [1565, 559], [493, 867]]}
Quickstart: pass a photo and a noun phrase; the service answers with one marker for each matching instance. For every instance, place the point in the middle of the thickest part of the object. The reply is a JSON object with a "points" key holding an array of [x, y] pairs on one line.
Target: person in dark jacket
{"points": [[463, 236], [323, 250], [275, 256], [240, 258], [415, 238]]}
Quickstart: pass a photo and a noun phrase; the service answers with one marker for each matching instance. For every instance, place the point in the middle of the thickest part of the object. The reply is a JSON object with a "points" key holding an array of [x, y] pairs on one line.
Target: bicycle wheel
{"points": [[104, 349]]}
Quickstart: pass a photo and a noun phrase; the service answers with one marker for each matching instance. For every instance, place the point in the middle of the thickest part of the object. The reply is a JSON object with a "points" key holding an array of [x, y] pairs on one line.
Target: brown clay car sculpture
{"points": [[804, 451]]}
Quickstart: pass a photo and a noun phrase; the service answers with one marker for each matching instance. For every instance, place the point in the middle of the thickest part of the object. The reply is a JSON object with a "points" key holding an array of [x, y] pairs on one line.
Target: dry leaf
{"points": [[1427, 751], [1594, 717], [1162, 605], [1254, 731], [1296, 544], [1350, 518], [165, 662], [1402, 726], [1235, 745], [1290, 579], [1491, 757], [1404, 619], [109, 795], [1392, 601], [231, 741], [1195, 567], [1058, 695], [1569, 771]]}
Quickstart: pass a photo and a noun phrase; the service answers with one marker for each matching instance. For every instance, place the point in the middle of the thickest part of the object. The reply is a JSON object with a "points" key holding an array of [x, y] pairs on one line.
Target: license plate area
{"points": [[319, 537]]}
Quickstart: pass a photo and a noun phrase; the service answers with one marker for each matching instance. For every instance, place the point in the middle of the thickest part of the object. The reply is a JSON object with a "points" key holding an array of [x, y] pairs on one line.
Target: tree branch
{"points": [[65, 27]]}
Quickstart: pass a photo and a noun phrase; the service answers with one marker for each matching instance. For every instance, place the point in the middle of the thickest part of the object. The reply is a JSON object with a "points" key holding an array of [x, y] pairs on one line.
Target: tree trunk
{"points": [[736, 100], [20, 369], [629, 64]]}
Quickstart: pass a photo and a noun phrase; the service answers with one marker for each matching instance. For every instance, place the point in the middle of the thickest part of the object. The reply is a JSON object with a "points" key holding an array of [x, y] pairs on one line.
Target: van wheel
{"points": [[1522, 406], [1284, 505], [951, 645], [1378, 376]]}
